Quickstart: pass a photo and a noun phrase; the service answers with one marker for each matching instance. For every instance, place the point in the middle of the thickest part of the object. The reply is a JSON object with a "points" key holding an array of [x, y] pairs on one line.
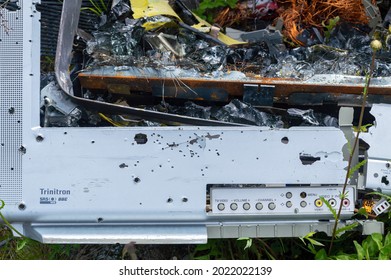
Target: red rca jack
{"points": [[346, 202]]}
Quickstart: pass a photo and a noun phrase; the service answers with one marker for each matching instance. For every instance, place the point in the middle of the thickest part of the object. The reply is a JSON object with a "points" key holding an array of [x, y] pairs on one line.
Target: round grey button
{"points": [[272, 206], [259, 206], [303, 204], [246, 206], [288, 195], [289, 204], [234, 206], [221, 206]]}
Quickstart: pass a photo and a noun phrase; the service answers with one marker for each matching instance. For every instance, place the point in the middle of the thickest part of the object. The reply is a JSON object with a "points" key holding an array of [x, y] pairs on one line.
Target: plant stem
{"points": [[9, 225], [267, 249], [2, 204], [230, 250], [356, 140]]}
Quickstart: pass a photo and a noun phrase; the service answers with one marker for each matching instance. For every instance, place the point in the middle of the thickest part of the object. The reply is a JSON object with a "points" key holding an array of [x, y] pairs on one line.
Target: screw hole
{"points": [[22, 149], [123, 165], [185, 199], [141, 138], [170, 200], [100, 220], [137, 180], [285, 140], [385, 181], [39, 138], [22, 206]]}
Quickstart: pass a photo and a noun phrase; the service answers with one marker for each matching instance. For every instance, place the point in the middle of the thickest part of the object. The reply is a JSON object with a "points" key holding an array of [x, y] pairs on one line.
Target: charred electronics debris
{"points": [[157, 127]]}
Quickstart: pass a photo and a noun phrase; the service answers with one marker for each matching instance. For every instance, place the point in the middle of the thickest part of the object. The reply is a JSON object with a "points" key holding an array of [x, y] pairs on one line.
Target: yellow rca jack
{"points": [[318, 203]]}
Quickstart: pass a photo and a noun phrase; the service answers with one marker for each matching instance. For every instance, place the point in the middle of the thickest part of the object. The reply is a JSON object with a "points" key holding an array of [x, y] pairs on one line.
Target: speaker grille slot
{"points": [[11, 92]]}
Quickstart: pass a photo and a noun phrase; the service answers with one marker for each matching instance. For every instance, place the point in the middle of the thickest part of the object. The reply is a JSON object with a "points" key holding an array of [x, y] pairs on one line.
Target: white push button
{"points": [[221, 206]]}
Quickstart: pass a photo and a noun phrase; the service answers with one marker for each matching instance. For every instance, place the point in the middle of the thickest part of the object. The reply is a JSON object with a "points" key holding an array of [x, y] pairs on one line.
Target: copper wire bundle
{"points": [[301, 14], [228, 17]]}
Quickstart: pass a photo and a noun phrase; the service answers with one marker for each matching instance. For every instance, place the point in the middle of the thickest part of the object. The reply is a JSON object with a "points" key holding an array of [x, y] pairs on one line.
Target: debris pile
{"points": [[324, 37], [149, 53]]}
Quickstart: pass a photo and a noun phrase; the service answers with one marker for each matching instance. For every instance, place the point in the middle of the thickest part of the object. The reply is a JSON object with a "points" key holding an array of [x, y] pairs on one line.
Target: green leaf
{"points": [[345, 257], [330, 26], [362, 212], [21, 244], [307, 237], [357, 167], [321, 255], [248, 240], [204, 5], [202, 247], [359, 249], [248, 243], [383, 257], [378, 239], [2, 204], [363, 128], [385, 252], [312, 249], [343, 195], [204, 257], [232, 3], [370, 247], [314, 242], [310, 234], [209, 18], [332, 210], [387, 239], [334, 21], [346, 228]]}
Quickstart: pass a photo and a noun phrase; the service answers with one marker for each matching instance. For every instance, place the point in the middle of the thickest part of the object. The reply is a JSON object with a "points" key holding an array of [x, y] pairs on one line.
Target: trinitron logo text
{"points": [[54, 191]]}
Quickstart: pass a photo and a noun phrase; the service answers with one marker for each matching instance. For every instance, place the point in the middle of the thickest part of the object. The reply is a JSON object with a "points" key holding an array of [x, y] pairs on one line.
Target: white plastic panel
{"points": [[287, 202], [92, 173], [11, 104], [378, 170]]}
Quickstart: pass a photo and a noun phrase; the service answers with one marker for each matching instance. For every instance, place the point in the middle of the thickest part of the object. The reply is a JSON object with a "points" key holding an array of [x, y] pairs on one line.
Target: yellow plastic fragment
{"points": [[151, 8], [222, 37]]}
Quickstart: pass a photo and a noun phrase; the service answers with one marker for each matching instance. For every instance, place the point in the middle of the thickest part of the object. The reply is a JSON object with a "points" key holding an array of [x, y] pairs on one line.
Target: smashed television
{"points": [[158, 127]]}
